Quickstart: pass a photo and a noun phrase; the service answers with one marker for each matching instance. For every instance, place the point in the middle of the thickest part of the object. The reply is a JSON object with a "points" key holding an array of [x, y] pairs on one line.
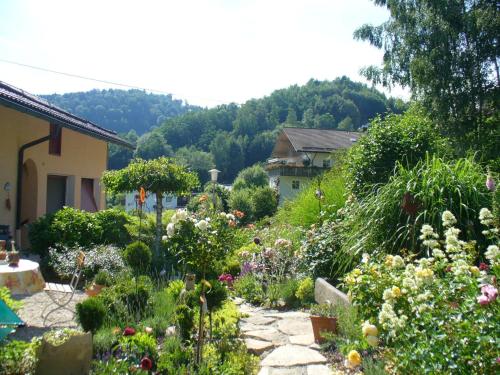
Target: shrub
{"points": [[103, 340], [138, 256], [388, 220], [288, 290], [251, 178], [97, 258], [103, 278], [435, 314], [249, 288], [396, 138], [6, 296], [162, 314], [175, 288], [140, 343], [241, 200], [305, 291], [215, 295], [113, 224], [19, 357], [184, 317], [264, 202], [90, 314], [174, 358]]}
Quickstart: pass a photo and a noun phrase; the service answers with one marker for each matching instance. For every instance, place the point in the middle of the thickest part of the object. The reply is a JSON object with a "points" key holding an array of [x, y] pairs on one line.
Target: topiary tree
{"points": [[160, 176], [251, 177], [90, 314], [138, 256]]}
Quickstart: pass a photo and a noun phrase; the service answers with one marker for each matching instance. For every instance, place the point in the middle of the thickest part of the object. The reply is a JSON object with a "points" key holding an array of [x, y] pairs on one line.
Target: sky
{"points": [[207, 52]]}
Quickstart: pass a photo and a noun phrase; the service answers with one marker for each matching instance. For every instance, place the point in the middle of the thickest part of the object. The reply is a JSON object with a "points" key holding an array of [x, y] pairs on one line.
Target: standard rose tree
{"points": [[159, 176]]}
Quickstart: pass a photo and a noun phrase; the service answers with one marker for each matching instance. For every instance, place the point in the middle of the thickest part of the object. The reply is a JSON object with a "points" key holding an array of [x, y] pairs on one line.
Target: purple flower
{"points": [[490, 183], [246, 268], [483, 300]]}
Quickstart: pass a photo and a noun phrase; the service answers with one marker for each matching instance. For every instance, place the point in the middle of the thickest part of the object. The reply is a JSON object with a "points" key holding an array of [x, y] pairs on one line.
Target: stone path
{"points": [[31, 314], [283, 340]]}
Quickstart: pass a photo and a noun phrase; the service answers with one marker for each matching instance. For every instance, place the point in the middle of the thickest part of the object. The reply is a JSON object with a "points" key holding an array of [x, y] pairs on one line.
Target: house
{"points": [[49, 158], [170, 202], [300, 154]]}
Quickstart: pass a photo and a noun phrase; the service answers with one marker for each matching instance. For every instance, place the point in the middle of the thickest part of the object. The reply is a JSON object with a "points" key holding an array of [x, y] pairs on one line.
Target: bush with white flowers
{"points": [[439, 313]]}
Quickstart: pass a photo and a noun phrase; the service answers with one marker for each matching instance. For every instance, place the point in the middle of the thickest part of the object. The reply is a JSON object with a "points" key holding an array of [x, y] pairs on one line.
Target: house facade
{"points": [[49, 158], [301, 154]]}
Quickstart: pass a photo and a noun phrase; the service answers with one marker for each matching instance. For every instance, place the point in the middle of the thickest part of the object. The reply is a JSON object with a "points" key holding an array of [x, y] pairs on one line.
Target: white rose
{"points": [[182, 215], [202, 225], [170, 229], [164, 238]]}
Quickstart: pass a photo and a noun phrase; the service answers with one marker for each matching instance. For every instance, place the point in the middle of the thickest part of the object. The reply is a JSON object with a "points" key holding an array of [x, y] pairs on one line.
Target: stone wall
{"points": [[325, 292]]}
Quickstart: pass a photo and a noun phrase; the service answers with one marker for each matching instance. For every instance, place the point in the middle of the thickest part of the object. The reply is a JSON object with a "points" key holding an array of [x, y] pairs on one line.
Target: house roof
{"points": [[320, 140], [23, 101]]}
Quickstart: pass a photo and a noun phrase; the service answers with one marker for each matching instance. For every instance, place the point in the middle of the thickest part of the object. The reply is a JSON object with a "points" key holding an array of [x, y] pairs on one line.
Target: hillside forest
{"points": [[230, 137]]}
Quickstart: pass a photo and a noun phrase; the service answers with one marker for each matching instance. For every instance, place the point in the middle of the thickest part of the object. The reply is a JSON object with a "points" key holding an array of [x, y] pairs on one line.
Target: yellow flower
{"points": [[356, 272], [354, 358], [369, 329], [475, 271], [388, 260], [350, 280], [372, 341], [396, 292], [424, 273]]}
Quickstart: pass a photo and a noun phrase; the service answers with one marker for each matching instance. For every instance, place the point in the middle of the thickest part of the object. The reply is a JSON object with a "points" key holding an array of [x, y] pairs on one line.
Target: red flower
{"points": [[146, 364], [129, 331], [238, 214], [483, 266]]}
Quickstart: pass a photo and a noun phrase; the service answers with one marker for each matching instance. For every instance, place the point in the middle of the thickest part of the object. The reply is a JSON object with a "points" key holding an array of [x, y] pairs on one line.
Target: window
{"points": [[295, 185], [55, 140], [326, 163]]}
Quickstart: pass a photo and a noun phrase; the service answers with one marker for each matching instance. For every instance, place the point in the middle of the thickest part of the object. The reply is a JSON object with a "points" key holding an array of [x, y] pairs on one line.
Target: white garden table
{"points": [[26, 278]]}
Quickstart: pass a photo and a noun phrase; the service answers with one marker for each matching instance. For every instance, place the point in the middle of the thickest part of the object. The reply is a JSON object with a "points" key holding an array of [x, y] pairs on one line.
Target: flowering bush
{"points": [[437, 314], [97, 258]]}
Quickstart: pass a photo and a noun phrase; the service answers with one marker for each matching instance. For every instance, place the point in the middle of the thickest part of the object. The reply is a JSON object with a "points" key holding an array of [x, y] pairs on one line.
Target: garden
{"points": [[400, 224]]}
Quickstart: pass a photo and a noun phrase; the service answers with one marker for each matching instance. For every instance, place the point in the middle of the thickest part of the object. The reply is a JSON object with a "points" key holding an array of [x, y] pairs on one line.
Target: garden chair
{"points": [[9, 320], [68, 290]]}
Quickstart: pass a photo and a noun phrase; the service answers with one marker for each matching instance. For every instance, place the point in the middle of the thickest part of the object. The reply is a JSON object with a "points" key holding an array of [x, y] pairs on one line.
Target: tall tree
{"points": [[447, 53]]}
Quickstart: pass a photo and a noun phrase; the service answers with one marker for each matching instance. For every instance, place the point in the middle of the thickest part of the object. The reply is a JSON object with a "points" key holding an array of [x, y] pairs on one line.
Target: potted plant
{"points": [[101, 280], [65, 351], [3, 252], [323, 318]]}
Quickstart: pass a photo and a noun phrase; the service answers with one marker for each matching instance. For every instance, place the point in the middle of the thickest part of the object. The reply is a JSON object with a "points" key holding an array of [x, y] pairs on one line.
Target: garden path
{"points": [[283, 340], [31, 314]]}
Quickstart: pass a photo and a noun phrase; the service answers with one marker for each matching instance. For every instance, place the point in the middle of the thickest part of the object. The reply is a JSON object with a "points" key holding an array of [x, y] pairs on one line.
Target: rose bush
{"points": [[436, 314]]}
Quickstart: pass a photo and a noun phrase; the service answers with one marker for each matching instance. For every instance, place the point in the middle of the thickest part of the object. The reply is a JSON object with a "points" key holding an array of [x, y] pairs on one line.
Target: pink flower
{"points": [[129, 331], [226, 278], [483, 300], [483, 266], [490, 292], [490, 183]]}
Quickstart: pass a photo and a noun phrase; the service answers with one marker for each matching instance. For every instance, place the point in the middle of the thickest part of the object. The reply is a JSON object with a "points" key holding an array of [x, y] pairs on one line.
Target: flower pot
{"points": [[94, 290], [3, 255], [13, 259], [73, 357], [322, 324], [190, 280]]}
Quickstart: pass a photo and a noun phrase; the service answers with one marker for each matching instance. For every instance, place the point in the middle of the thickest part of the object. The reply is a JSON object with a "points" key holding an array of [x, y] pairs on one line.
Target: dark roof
{"points": [[18, 99], [320, 140]]}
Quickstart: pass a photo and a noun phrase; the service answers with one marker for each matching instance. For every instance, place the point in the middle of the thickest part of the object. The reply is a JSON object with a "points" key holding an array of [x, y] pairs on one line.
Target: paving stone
{"points": [[294, 327], [305, 340], [318, 370], [264, 371], [238, 301], [292, 355], [315, 346], [258, 319], [245, 327], [270, 334], [288, 314], [258, 347], [288, 371]]}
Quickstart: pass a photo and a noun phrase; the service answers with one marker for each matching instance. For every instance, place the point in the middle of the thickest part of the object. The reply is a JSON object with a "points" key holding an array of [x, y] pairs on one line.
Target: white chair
{"points": [[54, 290]]}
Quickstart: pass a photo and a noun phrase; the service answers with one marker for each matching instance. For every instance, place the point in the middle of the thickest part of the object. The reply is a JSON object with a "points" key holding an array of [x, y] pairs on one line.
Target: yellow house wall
{"points": [[81, 156]]}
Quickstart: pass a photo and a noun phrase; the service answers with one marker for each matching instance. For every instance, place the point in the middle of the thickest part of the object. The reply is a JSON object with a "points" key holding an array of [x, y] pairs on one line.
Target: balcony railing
{"points": [[295, 171]]}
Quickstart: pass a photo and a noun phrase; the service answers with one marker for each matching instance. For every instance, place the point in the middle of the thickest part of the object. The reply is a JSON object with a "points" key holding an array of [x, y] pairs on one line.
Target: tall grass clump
{"points": [[304, 209], [389, 219]]}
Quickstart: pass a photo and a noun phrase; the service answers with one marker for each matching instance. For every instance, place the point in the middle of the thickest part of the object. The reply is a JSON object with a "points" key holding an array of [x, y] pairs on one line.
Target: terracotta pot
{"points": [[190, 280], [2, 245], [13, 259], [3, 255], [322, 324], [94, 290]]}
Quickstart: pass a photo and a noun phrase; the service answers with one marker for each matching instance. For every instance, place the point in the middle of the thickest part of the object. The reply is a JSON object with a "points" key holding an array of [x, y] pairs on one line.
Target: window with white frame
{"points": [[295, 185]]}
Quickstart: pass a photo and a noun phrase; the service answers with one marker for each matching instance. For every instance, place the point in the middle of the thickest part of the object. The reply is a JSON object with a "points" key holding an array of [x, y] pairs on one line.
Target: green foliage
{"points": [[215, 295], [141, 343], [397, 138], [241, 200], [18, 357], [305, 291], [304, 209], [175, 288], [90, 314], [151, 146], [103, 278], [288, 291], [71, 227], [324, 310], [447, 54], [184, 316], [103, 340], [5, 296], [138, 256], [198, 161], [174, 358], [162, 312], [249, 288], [264, 202], [251, 178]]}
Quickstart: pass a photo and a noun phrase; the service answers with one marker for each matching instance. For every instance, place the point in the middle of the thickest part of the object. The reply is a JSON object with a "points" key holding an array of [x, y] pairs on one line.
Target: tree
{"points": [[120, 156], [447, 53], [346, 124], [251, 178], [198, 161], [151, 146], [159, 176], [228, 155]]}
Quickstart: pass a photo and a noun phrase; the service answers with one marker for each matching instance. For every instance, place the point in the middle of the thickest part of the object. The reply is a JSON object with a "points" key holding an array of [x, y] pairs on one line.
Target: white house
{"points": [[300, 154], [132, 199]]}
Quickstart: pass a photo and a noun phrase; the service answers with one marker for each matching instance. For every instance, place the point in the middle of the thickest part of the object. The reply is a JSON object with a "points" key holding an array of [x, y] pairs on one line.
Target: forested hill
{"points": [[232, 137], [121, 110]]}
